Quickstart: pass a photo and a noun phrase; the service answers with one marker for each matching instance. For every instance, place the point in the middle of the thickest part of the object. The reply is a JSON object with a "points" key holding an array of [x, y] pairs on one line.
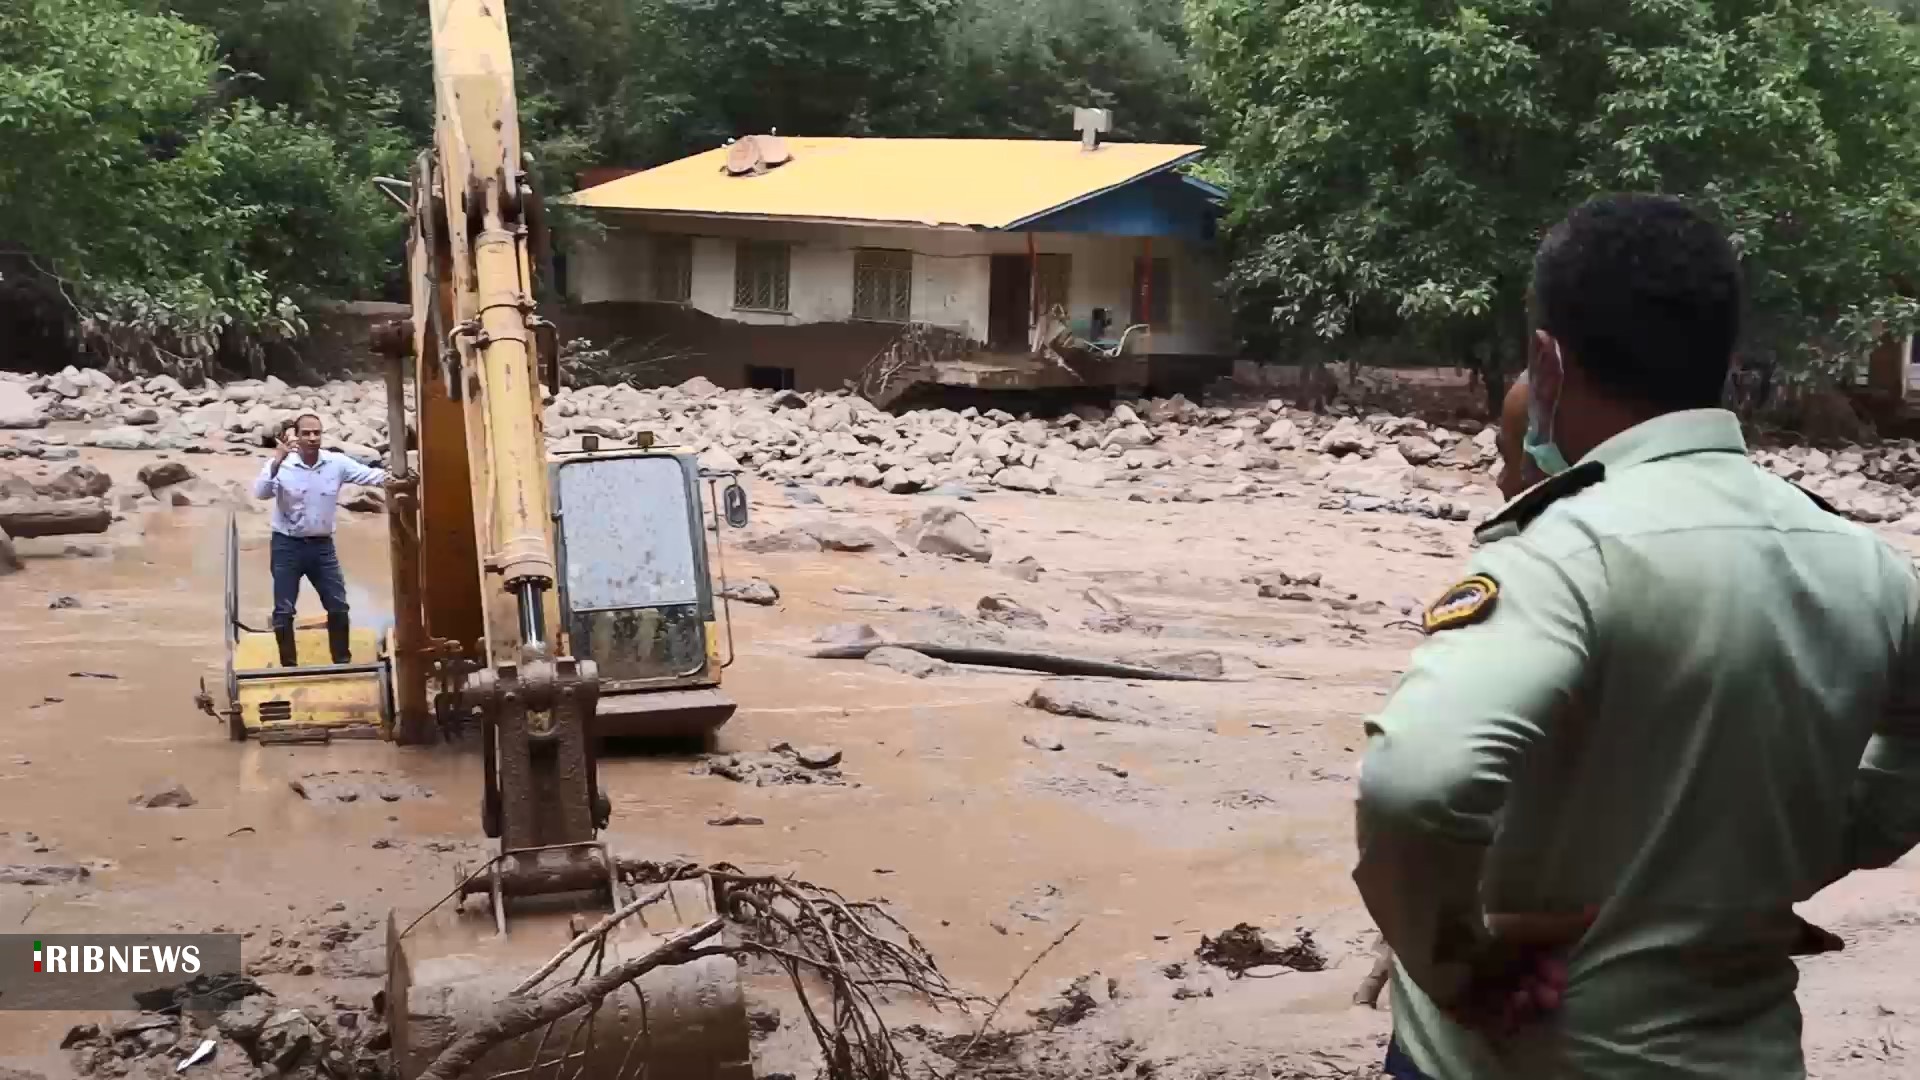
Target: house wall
{"points": [[951, 278]]}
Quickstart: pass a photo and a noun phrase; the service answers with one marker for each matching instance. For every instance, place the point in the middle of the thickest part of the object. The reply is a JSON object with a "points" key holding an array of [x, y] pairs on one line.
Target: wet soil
{"points": [[953, 804]]}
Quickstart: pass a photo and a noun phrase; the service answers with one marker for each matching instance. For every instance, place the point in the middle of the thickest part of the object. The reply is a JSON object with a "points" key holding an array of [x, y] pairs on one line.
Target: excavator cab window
{"points": [[635, 590]]}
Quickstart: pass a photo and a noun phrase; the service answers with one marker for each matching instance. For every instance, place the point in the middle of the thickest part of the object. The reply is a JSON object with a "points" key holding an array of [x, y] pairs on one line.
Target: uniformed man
{"points": [[1671, 699]]}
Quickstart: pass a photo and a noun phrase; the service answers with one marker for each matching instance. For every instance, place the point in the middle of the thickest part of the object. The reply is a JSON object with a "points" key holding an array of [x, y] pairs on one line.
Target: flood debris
{"points": [[752, 591], [1007, 611], [353, 786], [736, 819], [774, 767], [46, 874], [168, 795], [1105, 704], [1245, 947], [907, 662]]}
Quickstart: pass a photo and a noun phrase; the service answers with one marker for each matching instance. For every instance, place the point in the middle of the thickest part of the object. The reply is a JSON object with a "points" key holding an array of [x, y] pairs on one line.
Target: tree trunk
{"points": [[23, 518]]}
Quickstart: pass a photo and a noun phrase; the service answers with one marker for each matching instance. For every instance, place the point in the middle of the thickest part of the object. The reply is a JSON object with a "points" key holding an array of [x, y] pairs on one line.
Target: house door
{"points": [[1010, 303]]}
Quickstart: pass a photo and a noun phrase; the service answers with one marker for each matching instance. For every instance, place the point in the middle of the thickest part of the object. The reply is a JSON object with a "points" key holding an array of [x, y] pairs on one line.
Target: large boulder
{"points": [[164, 473], [943, 530], [18, 409], [78, 482]]}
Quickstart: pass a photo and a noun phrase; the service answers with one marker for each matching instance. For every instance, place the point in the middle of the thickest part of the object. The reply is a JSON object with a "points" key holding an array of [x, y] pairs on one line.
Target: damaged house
{"points": [[816, 263]]}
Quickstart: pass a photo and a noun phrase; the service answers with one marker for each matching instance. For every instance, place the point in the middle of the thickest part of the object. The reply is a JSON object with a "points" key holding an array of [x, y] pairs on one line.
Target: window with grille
{"points": [[760, 276], [1053, 274], [673, 269], [1153, 291], [883, 285]]}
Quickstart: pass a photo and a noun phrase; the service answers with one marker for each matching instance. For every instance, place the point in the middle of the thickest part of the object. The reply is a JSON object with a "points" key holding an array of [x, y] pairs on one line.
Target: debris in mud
{"points": [[1189, 662], [773, 767], [61, 874], [200, 993], [752, 591], [1188, 993], [1043, 742], [46, 701], [90, 675], [1114, 769], [164, 474], [173, 795], [736, 819], [352, 786], [908, 662], [1245, 947], [1007, 611], [1078, 1003], [63, 603], [1040, 904], [813, 757], [1242, 800], [1091, 701]]}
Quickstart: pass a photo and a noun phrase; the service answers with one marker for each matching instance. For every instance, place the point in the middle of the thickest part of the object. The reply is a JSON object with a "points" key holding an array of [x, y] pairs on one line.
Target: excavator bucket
{"points": [[266, 699], [447, 974]]}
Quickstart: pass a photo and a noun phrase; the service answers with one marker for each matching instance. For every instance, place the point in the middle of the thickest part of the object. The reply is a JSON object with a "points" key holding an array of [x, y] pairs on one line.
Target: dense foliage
{"points": [[181, 178], [1394, 163]]}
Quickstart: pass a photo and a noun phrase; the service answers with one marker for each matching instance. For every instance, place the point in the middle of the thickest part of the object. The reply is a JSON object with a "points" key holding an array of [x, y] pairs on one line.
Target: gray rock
{"points": [[1109, 704], [848, 634], [140, 417], [834, 536], [906, 661], [898, 481], [18, 410], [195, 492], [752, 591], [943, 530], [9, 558], [78, 482], [244, 1020], [287, 1039], [1007, 611], [1026, 568], [163, 473], [171, 795], [1204, 662], [1418, 450], [791, 538], [20, 874], [788, 399], [123, 438], [799, 496], [362, 500]]}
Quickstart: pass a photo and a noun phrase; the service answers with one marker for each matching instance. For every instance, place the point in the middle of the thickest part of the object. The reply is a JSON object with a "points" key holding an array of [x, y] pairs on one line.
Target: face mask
{"points": [[1539, 444]]}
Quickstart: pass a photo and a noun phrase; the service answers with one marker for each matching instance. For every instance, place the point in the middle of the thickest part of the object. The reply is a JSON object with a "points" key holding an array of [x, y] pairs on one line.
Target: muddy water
{"points": [[988, 847]]}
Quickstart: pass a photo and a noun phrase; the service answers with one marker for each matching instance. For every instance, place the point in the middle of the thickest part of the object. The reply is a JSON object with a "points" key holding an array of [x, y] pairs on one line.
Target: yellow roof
{"points": [[976, 183]]}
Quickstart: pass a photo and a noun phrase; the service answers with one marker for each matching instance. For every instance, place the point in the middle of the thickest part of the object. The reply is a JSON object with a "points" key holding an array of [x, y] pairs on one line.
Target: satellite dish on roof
{"points": [[755, 154]]}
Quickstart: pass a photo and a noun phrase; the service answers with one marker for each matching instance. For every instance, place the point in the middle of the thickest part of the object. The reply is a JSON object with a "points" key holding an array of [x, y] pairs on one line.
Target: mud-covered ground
{"points": [[1230, 804]]}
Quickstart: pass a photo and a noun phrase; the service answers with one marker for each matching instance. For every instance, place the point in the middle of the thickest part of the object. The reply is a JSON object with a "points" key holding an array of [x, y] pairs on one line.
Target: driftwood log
{"points": [[1019, 660], [23, 518]]}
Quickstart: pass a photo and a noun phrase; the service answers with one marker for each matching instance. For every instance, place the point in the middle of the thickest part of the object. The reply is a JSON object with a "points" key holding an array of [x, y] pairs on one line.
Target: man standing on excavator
{"points": [[306, 494], [1674, 697]]}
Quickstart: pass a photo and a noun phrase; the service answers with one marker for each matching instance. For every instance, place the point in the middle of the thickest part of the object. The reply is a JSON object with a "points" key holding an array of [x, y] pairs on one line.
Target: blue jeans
{"points": [[313, 558], [1400, 1067]]}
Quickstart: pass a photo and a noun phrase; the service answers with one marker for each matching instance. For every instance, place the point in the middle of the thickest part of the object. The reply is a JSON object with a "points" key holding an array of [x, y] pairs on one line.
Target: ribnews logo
{"points": [[111, 971], [132, 959]]}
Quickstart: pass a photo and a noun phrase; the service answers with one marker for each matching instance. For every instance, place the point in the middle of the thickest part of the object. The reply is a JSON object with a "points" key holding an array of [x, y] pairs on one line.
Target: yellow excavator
{"points": [[550, 603]]}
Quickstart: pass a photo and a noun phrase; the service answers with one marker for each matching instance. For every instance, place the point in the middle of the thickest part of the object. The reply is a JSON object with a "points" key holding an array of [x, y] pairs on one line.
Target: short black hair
{"points": [[1644, 294], [315, 417]]}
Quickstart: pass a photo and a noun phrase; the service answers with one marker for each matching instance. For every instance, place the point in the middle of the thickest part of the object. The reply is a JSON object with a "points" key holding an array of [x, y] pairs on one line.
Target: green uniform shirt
{"points": [[1688, 705]]}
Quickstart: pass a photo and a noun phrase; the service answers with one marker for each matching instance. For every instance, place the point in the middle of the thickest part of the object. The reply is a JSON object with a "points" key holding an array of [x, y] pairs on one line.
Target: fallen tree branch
{"points": [[516, 1016], [596, 933], [1015, 985], [1018, 659]]}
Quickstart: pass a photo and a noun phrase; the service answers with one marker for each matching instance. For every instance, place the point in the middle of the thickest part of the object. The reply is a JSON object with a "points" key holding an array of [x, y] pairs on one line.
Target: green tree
{"points": [[1018, 68], [1394, 163], [158, 224]]}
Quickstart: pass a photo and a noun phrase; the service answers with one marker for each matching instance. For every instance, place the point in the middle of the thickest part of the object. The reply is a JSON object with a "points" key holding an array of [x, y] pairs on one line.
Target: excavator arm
{"points": [[478, 633]]}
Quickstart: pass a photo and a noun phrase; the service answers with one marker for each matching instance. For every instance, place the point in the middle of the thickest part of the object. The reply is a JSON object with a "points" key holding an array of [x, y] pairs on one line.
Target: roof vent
{"points": [[756, 154], [1090, 123]]}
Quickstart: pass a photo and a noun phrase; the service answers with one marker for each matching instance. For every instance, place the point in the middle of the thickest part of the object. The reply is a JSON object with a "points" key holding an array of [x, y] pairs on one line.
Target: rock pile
{"points": [[1165, 449]]}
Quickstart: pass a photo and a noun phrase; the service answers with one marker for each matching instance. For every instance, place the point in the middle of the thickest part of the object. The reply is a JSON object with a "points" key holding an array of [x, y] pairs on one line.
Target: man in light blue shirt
{"points": [[304, 483]]}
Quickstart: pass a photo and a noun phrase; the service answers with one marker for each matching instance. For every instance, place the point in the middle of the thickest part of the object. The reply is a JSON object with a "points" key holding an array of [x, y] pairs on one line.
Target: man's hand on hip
{"points": [[1521, 976]]}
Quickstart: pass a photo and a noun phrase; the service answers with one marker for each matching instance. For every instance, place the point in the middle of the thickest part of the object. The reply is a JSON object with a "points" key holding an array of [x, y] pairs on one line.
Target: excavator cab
{"points": [[636, 588]]}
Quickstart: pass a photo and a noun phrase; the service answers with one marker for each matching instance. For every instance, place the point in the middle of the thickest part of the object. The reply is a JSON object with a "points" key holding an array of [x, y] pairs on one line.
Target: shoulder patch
{"points": [[1463, 604], [1520, 512], [1818, 501]]}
